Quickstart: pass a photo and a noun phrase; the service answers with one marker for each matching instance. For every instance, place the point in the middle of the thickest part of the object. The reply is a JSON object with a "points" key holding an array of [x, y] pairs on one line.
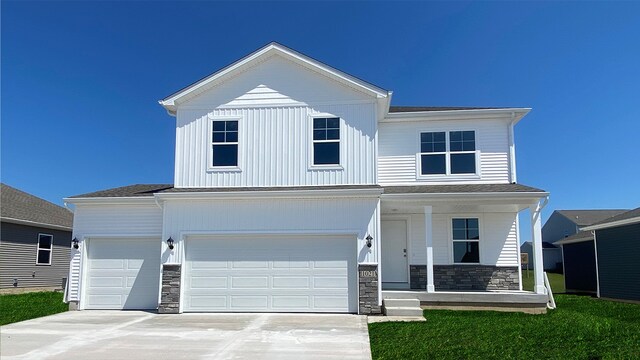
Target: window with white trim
{"points": [[224, 143], [448, 153], [45, 245], [466, 240], [326, 141]]}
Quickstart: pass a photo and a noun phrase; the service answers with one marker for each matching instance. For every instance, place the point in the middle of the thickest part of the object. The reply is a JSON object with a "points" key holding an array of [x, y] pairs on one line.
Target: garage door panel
{"points": [[304, 274], [123, 274]]}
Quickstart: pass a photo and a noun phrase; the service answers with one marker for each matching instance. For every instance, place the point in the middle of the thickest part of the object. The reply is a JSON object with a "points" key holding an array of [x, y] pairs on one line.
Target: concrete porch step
{"points": [[402, 311], [414, 303]]}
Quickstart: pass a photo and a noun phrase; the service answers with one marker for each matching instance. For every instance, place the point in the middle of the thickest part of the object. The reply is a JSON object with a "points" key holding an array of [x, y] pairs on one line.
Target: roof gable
{"points": [[273, 49], [19, 205]]}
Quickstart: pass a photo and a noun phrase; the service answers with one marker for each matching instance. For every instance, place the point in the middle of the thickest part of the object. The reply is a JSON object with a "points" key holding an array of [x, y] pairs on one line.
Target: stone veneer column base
{"points": [[170, 293], [475, 277], [368, 290], [418, 277]]}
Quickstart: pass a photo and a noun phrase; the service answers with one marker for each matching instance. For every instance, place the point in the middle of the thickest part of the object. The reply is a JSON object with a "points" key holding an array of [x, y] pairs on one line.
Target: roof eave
{"points": [[611, 224], [514, 114], [35, 223]]}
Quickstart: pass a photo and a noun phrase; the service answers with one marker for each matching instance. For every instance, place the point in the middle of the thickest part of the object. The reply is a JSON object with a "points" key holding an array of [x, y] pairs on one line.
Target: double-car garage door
{"points": [[229, 274]]}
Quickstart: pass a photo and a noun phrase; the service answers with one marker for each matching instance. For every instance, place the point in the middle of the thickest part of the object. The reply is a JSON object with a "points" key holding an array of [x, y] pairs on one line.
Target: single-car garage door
{"points": [[271, 274], [123, 274]]}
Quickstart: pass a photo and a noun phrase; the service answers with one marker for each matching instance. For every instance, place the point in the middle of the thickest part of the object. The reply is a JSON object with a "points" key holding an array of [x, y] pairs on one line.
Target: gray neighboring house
{"points": [[608, 261], [551, 256], [35, 241]]}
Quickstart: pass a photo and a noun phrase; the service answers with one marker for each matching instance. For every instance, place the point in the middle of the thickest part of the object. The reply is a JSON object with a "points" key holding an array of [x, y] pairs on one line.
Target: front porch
{"points": [[457, 248]]}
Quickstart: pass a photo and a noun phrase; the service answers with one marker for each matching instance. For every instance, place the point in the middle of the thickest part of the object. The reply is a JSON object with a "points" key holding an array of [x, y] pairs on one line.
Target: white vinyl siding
{"points": [[110, 221], [498, 234], [399, 149]]}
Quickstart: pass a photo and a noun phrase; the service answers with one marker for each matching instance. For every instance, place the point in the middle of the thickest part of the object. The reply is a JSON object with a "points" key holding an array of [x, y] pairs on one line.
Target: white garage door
{"points": [[271, 274], [123, 274]]}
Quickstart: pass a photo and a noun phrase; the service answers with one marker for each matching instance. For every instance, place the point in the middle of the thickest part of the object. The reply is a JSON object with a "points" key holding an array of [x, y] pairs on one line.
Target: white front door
{"points": [[269, 273], [122, 274], [395, 267]]}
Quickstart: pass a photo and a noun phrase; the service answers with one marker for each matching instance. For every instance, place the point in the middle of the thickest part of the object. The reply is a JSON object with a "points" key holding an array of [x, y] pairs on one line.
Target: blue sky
{"points": [[81, 80]]}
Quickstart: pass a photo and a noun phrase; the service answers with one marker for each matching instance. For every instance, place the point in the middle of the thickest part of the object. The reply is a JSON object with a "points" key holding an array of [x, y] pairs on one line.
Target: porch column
{"points": [[428, 214], [536, 239]]}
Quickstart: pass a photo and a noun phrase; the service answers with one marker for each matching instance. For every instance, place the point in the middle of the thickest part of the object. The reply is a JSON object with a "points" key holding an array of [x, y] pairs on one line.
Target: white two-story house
{"points": [[299, 188]]}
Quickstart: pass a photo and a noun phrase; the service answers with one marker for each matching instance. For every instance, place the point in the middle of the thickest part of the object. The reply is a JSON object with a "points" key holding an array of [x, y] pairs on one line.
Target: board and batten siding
{"points": [[106, 221], [348, 216], [498, 238], [399, 146], [18, 252], [618, 268], [274, 102]]}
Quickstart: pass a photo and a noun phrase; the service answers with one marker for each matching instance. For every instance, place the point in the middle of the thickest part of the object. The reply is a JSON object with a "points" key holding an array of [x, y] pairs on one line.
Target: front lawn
{"points": [[556, 281], [580, 328], [19, 307]]}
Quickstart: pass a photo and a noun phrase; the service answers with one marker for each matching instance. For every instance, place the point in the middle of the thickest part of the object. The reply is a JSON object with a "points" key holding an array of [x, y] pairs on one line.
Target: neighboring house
{"points": [[35, 239], [603, 257], [298, 188], [551, 255], [564, 225]]}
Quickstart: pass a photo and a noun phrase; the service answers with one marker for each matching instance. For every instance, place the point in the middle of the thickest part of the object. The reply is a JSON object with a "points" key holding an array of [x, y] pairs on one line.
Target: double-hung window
{"points": [[326, 141], [45, 245], [466, 240], [448, 153], [224, 143]]}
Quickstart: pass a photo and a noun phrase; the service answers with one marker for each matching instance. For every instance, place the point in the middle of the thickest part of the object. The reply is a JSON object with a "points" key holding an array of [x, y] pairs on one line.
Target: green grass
{"points": [[580, 328], [20, 307], [556, 281]]}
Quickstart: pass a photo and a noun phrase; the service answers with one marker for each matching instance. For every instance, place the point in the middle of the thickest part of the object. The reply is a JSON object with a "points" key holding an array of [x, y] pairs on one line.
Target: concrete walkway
{"points": [[112, 335]]}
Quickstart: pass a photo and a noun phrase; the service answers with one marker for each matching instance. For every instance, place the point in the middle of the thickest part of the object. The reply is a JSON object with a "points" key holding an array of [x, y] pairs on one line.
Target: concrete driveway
{"points": [[140, 335]]}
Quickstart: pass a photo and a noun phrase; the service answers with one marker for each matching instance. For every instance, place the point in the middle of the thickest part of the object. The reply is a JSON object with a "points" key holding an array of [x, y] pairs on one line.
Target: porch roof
{"points": [[464, 188]]}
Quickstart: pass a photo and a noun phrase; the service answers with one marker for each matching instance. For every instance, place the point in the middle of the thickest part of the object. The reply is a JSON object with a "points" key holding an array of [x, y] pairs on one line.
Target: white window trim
{"points": [[313, 166], [38, 248], [210, 144], [480, 241], [447, 157]]}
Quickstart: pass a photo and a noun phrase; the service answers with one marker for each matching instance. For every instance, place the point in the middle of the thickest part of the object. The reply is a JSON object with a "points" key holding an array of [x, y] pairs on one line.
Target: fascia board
{"points": [[133, 200], [295, 194], [468, 195], [514, 114], [612, 224], [34, 223]]}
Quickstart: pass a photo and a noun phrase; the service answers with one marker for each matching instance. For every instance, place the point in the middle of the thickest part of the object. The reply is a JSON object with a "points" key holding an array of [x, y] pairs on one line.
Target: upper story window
{"points": [[45, 245], [466, 240], [326, 141], [448, 153], [224, 143]]}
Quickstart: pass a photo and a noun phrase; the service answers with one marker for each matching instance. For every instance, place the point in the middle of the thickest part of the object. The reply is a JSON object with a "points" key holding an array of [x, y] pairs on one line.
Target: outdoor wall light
{"points": [[170, 243], [75, 243], [369, 238]]}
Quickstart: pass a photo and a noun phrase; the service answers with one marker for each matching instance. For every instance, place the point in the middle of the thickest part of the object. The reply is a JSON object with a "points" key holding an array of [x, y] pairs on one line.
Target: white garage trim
{"points": [[119, 240], [275, 240]]}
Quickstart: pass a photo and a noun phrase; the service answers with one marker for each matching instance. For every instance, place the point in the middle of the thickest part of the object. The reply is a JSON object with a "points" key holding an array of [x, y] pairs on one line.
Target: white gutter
{"points": [[512, 149], [515, 114], [467, 195], [131, 200], [35, 223], [595, 248], [296, 194], [612, 224]]}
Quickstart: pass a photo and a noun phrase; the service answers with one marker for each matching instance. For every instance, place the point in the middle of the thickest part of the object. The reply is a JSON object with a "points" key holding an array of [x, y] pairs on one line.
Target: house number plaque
{"points": [[369, 273]]}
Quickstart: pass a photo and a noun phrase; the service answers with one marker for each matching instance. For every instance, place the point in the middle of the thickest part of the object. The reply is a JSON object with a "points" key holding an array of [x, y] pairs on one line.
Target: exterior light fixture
{"points": [[75, 243], [170, 243], [369, 238]]}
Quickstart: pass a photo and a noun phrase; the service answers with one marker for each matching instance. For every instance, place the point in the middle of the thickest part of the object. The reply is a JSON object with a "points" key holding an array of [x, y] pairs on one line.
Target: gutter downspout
{"points": [[512, 150], [595, 248]]}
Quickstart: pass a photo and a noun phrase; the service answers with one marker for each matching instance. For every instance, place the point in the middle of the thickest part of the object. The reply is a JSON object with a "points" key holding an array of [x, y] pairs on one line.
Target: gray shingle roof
{"points": [[580, 235], [128, 191], [471, 188], [589, 217], [17, 204], [400, 109], [140, 190], [623, 216]]}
